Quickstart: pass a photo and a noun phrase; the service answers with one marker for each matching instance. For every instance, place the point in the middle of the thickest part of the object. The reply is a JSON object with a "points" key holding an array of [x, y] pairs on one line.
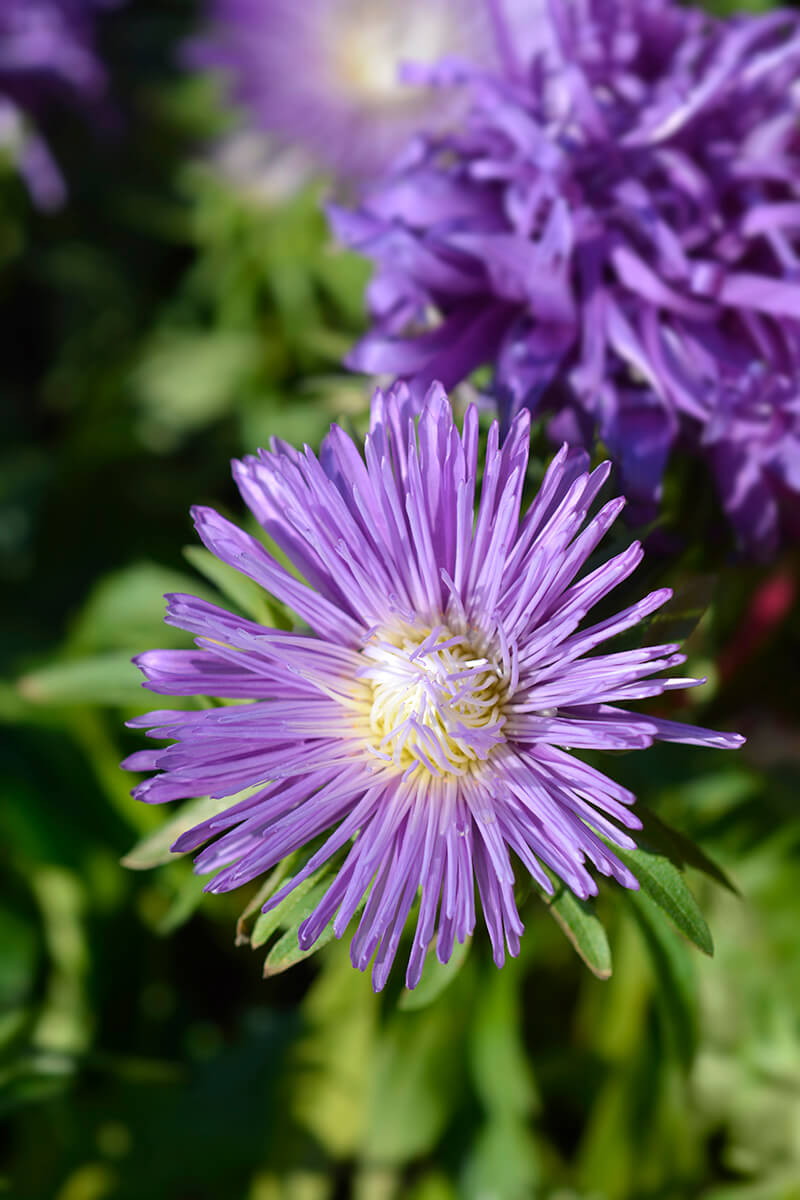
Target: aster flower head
{"points": [[328, 74], [421, 718], [614, 227], [46, 55]]}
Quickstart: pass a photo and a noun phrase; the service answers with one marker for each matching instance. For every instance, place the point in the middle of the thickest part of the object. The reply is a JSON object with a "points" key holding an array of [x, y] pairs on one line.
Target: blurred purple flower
{"points": [[427, 713], [327, 74], [616, 229], [46, 56]]}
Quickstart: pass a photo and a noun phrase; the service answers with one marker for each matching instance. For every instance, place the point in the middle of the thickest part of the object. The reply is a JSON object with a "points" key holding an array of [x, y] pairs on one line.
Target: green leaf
{"points": [[286, 952], [417, 1073], [656, 835], [126, 608], [675, 992], [502, 1162], [18, 962], [665, 885], [154, 849], [102, 679], [282, 916], [328, 1085], [183, 906], [288, 916], [249, 598], [681, 615], [186, 378], [499, 1065], [436, 978], [584, 929], [269, 885]]}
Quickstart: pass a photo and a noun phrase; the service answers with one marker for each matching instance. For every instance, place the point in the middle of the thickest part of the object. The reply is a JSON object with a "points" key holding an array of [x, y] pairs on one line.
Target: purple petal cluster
{"points": [[616, 229], [327, 74], [417, 724], [46, 56]]}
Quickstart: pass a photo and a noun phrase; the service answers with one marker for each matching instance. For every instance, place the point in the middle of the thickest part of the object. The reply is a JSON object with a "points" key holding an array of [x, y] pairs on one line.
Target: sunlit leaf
{"points": [[584, 929], [126, 609], [665, 885], [154, 849], [188, 377], [292, 910], [102, 679], [656, 835], [286, 952]]}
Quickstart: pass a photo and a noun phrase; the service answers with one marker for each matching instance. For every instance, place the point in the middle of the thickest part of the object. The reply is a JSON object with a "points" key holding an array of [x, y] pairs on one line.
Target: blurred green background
{"points": [[172, 315]]}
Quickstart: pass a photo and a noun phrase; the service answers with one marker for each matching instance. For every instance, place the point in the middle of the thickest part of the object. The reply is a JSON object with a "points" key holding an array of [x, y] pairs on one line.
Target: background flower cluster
{"points": [[192, 246]]}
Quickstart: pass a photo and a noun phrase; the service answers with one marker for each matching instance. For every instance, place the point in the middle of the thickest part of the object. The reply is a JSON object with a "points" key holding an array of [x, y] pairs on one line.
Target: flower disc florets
{"points": [[437, 700], [419, 727], [615, 229]]}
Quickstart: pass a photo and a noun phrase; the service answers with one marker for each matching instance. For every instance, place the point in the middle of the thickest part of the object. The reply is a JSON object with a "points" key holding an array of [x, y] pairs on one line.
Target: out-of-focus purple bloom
{"points": [[616, 228], [426, 715], [46, 56], [327, 74]]}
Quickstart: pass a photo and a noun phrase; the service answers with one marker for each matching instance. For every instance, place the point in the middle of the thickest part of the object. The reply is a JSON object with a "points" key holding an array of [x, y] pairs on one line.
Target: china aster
{"points": [[46, 57], [420, 716], [615, 228], [329, 74]]}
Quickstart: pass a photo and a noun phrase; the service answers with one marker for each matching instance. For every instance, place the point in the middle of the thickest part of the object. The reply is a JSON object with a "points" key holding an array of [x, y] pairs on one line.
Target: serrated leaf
{"points": [[249, 598], [681, 850], [583, 928], [436, 978], [664, 884], [154, 849]]}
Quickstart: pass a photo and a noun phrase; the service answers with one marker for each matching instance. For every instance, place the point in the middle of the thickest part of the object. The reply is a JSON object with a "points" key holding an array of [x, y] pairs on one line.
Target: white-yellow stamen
{"points": [[437, 699], [371, 41]]}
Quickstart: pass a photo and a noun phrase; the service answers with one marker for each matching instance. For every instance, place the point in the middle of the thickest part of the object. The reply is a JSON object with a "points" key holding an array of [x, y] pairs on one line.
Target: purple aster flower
{"points": [[46, 55], [328, 74], [616, 229], [421, 717]]}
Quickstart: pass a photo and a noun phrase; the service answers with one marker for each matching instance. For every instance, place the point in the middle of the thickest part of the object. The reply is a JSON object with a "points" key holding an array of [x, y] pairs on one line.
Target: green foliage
{"points": [[664, 884], [584, 929]]}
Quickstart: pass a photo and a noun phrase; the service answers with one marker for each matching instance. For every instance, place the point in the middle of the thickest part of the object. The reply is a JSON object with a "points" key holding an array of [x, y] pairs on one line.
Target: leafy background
{"points": [[171, 317]]}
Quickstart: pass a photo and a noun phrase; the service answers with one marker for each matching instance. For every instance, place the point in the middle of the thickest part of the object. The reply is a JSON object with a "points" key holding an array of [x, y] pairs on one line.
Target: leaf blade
{"points": [[661, 880], [583, 928]]}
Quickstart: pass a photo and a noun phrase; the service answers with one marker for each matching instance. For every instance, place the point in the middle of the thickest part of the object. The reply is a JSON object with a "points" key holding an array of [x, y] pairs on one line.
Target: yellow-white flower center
{"points": [[436, 699], [372, 40]]}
